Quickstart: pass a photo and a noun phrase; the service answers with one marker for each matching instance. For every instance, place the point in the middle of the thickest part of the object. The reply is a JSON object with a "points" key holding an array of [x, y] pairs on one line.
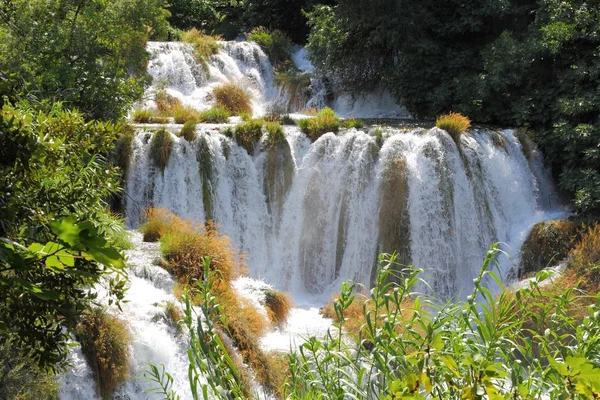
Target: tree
{"points": [[89, 54], [56, 239]]}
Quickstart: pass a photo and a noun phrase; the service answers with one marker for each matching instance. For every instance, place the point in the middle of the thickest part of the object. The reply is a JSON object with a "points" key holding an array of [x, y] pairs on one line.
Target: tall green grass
{"points": [[526, 344]]}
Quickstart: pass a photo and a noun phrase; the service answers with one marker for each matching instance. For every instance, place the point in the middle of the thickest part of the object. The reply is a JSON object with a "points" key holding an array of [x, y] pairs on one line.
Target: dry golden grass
{"points": [[453, 123], [233, 98], [586, 256], [166, 103], [278, 305], [105, 341], [156, 222], [183, 114]]}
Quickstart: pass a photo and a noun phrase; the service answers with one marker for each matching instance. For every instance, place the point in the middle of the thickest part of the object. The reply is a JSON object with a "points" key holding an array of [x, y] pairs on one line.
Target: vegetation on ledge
{"points": [[324, 121]]}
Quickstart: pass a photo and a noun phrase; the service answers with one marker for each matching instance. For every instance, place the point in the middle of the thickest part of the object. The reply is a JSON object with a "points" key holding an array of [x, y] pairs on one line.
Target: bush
{"points": [[188, 131], [215, 115], [275, 133], [204, 45], [325, 121], [233, 98], [142, 116], [248, 133], [276, 44], [183, 114], [278, 306], [353, 123], [453, 123], [105, 341], [166, 103], [160, 148]]}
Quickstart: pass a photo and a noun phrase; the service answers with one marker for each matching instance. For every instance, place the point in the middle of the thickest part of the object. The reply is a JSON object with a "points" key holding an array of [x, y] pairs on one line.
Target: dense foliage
{"points": [[88, 54], [505, 62], [56, 238]]}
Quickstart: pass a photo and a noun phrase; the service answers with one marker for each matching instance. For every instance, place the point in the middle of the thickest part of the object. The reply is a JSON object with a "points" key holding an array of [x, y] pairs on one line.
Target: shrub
{"points": [[166, 103], [188, 131], [325, 121], [105, 341], [215, 115], [275, 133], [204, 45], [276, 44], [586, 254], [278, 306], [160, 148], [184, 114], [156, 222], [233, 99], [353, 123], [453, 123], [142, 116], [248, 133]]}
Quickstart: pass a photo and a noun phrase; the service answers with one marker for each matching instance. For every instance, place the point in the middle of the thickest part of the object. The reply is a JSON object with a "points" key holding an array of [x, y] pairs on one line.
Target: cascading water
{"points": [[344, 199]]}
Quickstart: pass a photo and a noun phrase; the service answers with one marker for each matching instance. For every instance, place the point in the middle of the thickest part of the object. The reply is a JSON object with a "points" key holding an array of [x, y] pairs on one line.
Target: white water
{"points": [[328, 229], [174, 68]]}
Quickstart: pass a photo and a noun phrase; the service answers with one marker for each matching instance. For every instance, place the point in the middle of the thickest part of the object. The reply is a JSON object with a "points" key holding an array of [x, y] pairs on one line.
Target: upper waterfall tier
{"points": [[311, 215], [174, 68]]}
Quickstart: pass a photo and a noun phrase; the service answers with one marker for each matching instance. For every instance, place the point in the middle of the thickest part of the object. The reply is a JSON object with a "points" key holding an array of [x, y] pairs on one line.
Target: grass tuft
{"points": [[275, 134], [215, 115], [183, 114], [324, 121], [166, 103], [174, 315], [160, 148], [156, 222], [188, 131], [142, 116], [105, 341], [248, 133], [586, 255], [453, 123], [233, 98], [353, 123]]}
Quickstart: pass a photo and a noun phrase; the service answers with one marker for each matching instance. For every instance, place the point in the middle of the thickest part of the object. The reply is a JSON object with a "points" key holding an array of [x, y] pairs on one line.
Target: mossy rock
{"points": [[548, 243]]}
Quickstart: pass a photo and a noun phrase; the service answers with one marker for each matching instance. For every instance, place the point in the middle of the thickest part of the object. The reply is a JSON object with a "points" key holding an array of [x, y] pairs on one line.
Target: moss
{"points": [[160, 148], [453, 123], [548, 243], [233, 98], [325, 121], [188, 131], [498, 140], [124, 149], [247, 134], [296, 84], [394, 221], [105, 341], [205, 157], [174, 315], [279, 173], [524, 138]]}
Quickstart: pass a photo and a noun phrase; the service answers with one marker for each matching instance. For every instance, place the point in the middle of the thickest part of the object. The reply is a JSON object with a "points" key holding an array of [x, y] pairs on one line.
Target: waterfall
{"points": [[311, 215]]}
